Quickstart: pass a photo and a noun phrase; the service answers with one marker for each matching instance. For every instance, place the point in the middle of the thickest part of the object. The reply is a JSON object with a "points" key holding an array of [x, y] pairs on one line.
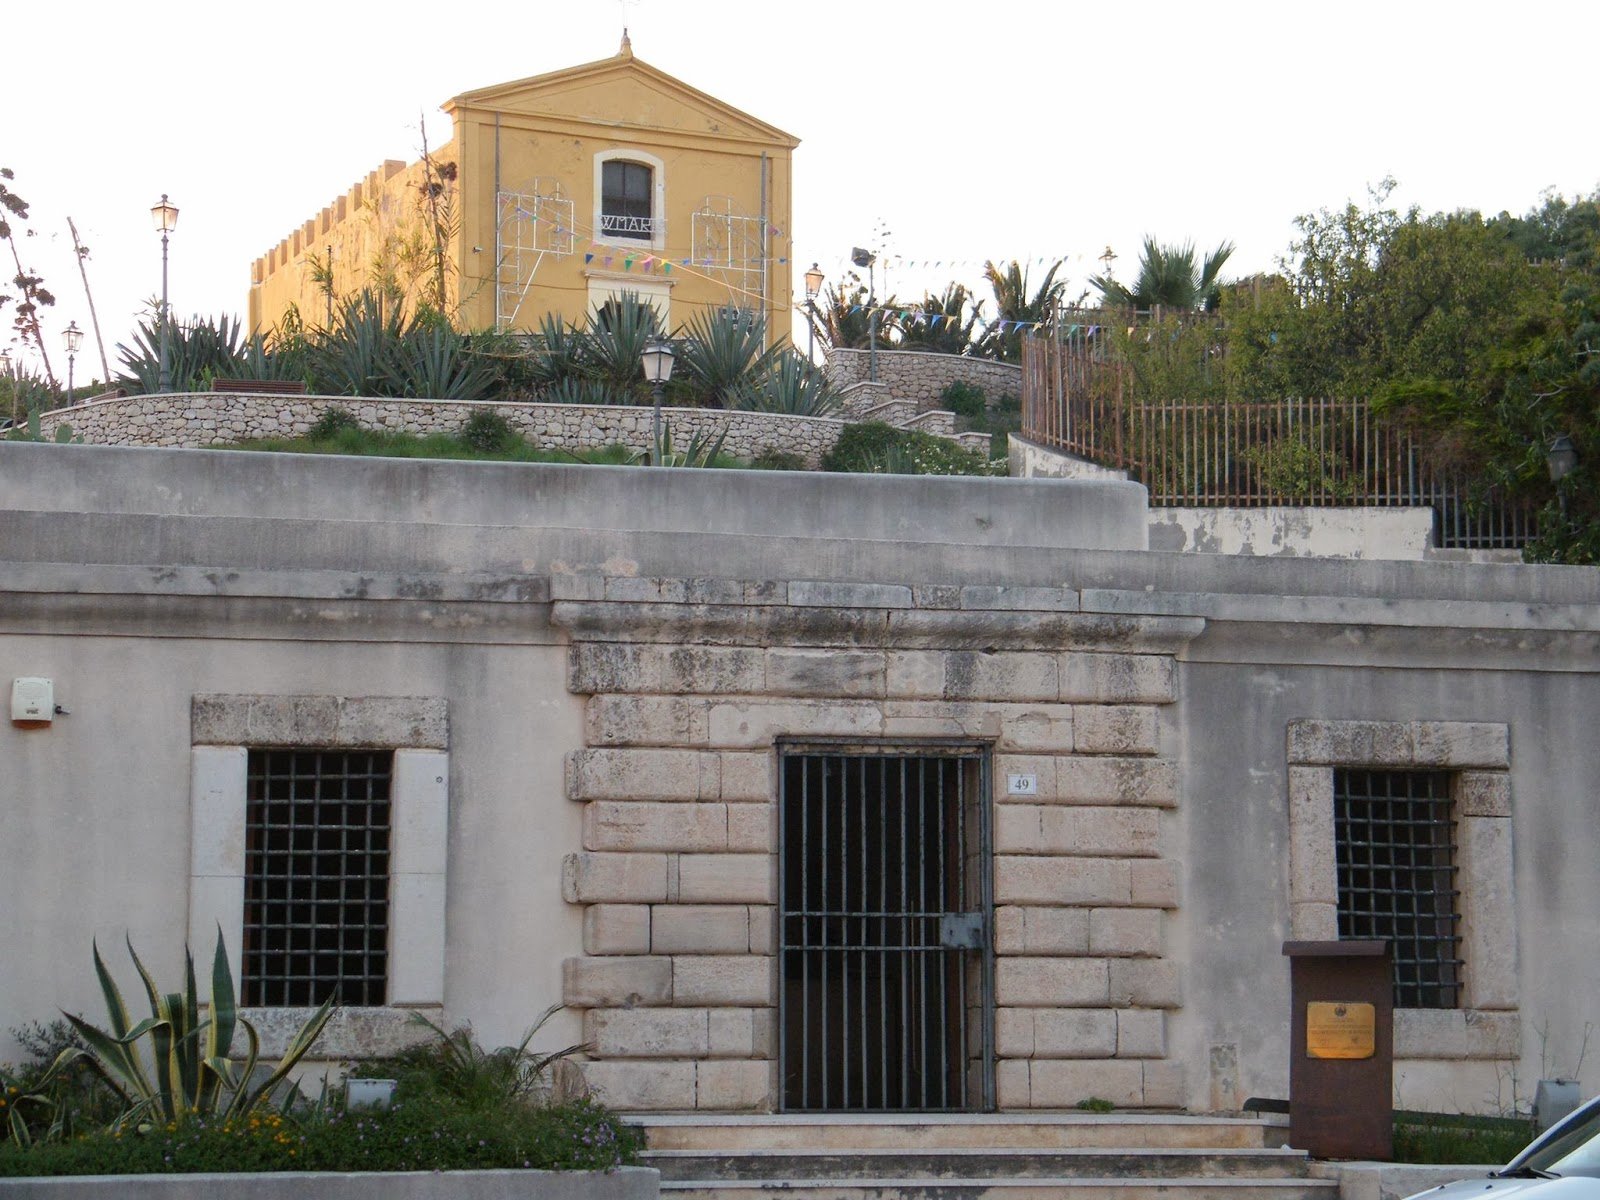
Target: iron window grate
{"points": [[1394, 835], [316, 919]]}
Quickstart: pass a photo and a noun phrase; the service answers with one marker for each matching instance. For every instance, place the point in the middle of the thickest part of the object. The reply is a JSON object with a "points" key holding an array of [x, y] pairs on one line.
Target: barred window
{"points": [[1395, 851], [316, 919], [626, 202]]}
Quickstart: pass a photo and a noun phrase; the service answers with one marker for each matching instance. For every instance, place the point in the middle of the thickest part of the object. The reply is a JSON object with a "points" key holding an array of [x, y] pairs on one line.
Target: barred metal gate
{"points": [[886, 981]]}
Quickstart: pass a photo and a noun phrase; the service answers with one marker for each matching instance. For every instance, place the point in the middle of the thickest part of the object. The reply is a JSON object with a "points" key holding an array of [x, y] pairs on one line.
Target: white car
{"points": [[1563, 1163]]}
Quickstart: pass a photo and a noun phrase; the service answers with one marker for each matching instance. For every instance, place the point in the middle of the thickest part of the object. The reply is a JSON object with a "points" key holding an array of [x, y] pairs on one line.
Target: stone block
{"points": [[592, 878], [1350, 743], [635, 825], [936, 595], [763, 1024], [915, 674], [611, 720], [625, 981], [752, 827], [1001, 675], [616, 774], [746, 778], [700, 929], [1126, 932], [1461, 744], [616, 929], [765, 592], [1430, 1033], [1141, 1033], [1057, 931], [1041, 766], [1105, 780], [647, 1032], [731, 1032], [1493, 1035], [585, 585], [1018, 598], [733, 1085], [1488, 912], [1117, 678], [1314, 922], [1062, 1083], [1013, 1032], [633, 1086], [595, 667], [723, 980], [1045, 728], [1017, 829], [642, 589], [1020, 879], [713, 591], [763, 930], [714, 670], [1011, 1084], [1115, 729], [1312, 878], [1483, 794], [1104, 832], [1145, 983], [726, 879], [940, 718], [1074, 1033], [808, 594], [760, 722], [1164, 1085], [842, 673], [1051, 982]]}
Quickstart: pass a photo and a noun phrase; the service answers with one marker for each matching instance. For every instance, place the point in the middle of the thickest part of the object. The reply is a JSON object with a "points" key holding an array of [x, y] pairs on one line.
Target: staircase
{"points": [[1044, 1156], [867, 401]]}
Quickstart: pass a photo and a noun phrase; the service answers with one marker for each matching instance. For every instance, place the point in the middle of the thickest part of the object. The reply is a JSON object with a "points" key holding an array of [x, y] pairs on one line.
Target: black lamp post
{"points": [[657, 370], [165, 216], [71, 338], [1562, 459], [813, 286], [865, 258]]}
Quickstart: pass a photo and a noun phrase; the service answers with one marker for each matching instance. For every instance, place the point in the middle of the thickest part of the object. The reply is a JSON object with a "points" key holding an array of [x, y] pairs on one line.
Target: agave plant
{"points": [[185, 1070], [583, 391], [560, 354], [723, 354], [198, 351], [453, 1063], [701, 451], [790, 385], [618, 332]]}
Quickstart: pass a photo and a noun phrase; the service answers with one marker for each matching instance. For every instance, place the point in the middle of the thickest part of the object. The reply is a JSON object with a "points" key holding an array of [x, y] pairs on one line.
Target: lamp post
{"points": [[5, 365], [165, 216], [813, 286], [657, 358], [71, 338], [865, 258], [1561, 458]]}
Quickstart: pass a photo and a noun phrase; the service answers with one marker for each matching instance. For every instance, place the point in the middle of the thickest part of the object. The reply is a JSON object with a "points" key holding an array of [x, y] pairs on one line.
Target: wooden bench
{"points": [[261, 387]]}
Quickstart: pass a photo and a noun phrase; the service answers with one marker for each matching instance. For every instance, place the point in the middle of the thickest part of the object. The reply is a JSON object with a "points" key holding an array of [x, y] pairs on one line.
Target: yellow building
{"points": [[554, 194]]}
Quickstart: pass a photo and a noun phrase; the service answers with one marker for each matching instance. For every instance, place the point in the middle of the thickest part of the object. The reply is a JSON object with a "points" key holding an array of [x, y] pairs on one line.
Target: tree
{"points": [[946, 324], [31, 294], [1169, 277], [1014, 307]]}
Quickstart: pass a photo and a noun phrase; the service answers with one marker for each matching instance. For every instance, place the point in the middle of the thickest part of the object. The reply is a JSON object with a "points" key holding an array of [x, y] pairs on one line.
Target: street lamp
{"points": [[5, 365], [1561, 458], [71, 338], [657, 358], [165, 216], [813, 286], [865, 258]]}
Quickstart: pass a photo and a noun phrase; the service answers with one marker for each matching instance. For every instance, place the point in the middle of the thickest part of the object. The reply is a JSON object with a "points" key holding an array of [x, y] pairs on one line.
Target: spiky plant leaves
{"points": [[790, 385], [724, 353], [1169, 277], [619, 330]]}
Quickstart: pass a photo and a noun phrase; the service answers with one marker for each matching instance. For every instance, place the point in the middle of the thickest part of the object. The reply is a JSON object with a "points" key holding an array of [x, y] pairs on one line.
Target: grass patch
{"points": [[1449, 1138]]}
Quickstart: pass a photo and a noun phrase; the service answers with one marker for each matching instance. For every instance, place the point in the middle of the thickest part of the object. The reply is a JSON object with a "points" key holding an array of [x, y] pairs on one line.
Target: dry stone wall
{"points": [[206, 418], [689, 684], [921, 377]]}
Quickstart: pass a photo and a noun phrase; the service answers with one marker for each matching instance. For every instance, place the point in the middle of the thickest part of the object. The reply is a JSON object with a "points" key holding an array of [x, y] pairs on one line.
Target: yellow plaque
{"points": [[1340, 1030]]}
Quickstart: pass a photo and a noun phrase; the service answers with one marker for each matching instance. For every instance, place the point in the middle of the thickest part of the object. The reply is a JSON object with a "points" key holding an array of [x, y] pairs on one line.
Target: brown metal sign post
{"points": [[1341, 1049]]}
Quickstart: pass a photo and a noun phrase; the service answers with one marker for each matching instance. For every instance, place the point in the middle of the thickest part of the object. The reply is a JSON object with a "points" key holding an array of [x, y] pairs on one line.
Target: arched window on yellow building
{"points": [[629, 199]]}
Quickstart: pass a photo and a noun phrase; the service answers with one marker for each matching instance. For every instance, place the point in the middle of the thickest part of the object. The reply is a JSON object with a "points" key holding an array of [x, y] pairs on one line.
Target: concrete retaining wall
{"points": [[625, 1183], [191, 419], [920, 376]]}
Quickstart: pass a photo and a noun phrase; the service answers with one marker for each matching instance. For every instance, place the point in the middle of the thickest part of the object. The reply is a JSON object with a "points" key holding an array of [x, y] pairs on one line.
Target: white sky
{"points": [[1028, 129]]}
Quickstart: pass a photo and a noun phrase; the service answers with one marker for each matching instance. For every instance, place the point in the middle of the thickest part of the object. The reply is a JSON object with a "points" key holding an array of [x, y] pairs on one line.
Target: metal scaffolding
{"points": [[528, 226]]}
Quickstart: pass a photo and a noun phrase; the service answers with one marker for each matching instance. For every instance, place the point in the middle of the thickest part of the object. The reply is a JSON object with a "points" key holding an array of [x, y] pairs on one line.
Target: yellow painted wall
{"points": [[554, 128]]}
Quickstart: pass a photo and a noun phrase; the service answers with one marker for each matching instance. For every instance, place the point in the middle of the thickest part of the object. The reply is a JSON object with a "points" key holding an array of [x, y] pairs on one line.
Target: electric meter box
{"points": [[33, 700]]}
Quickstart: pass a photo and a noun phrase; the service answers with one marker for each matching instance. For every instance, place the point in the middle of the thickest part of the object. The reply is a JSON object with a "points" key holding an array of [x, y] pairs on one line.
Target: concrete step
{"points": [[753, 1166], [1066, 1188], [946, 1131]]}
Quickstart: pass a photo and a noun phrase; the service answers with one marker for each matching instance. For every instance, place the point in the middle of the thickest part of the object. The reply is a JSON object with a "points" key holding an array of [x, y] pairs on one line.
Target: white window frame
{"points": [[658, 199], [224, 729]]}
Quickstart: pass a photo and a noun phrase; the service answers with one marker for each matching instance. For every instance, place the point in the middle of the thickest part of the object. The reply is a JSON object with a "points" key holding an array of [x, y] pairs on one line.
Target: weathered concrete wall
{"points": [[625, 1183], [192, 419], [921, 377], [603, 636], [1029, 460]]}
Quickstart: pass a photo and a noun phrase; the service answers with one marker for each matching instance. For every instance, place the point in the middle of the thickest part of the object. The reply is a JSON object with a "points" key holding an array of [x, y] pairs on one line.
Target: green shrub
{"points": [[965, 400], [488, 432], [873, 447], [773, 459], [333, 421], [1449, 1138]]}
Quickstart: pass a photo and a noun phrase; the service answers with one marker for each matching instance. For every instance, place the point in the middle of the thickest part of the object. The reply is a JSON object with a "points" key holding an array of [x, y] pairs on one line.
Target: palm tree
{"points": [[1013, 304], [843, 316], [945, 324], [1170, 277]]}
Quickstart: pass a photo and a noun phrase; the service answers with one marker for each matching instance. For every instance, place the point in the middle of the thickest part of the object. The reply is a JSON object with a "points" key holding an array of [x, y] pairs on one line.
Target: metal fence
{"points": [[1077, 397]]}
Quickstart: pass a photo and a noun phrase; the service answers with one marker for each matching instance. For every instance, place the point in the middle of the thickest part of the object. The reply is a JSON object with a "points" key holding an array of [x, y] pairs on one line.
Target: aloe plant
{"points": [[614, 344], [174, 1066], [701, 451], [723, 354], [789, 385]]}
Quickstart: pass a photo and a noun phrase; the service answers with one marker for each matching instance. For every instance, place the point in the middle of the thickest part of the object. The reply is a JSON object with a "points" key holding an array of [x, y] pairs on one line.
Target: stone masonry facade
{"points": [[920, 376], [197, 419], [688, 686]]}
